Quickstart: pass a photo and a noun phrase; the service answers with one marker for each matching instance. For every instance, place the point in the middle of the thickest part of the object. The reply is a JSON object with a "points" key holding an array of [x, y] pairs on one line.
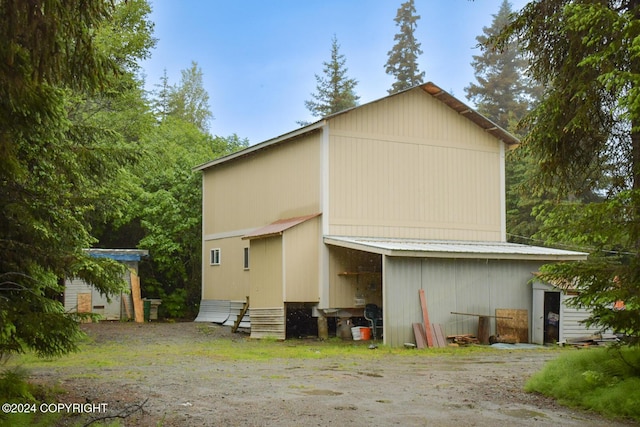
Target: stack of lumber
{"points": [[428, 334], [596, 339], [464, 339]]}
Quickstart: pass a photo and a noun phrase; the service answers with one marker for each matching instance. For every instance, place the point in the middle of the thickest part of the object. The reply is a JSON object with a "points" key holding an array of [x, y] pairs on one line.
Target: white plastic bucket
{"points": [[357, 336]]}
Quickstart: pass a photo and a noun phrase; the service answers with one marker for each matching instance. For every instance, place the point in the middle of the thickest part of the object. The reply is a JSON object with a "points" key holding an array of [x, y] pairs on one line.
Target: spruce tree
{"points": [[503, 92], [335, 91], [403, 57], [585, 136]]}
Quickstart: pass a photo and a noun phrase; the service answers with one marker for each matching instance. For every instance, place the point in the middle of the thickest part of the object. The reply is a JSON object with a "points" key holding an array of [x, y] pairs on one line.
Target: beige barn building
{"points": [[367, 206]]}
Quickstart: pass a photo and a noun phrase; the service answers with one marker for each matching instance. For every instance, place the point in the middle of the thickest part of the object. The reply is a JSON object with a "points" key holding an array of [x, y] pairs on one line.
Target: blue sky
{"points": [[259, 57]]}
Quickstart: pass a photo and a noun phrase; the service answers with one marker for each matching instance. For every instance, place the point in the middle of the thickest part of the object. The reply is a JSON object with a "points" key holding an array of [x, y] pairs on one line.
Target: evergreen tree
{"points": [[161, 101], [585, 136], [504, 93], [335, 91], [59, 157], [403, 57]]}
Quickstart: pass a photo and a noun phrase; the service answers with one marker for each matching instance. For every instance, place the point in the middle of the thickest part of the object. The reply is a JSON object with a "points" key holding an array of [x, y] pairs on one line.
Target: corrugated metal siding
{"points": [[268, 323], [215, 311], [571, 321], [467, 286], [235, 308], [402, 278], [410, 167]]}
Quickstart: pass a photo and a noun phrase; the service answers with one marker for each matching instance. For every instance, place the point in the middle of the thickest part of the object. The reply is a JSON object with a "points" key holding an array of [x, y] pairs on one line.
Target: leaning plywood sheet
{"points": [[216, 311], [138, 306], [438, 334], [513, 323], [421, 339], [84, 303]]}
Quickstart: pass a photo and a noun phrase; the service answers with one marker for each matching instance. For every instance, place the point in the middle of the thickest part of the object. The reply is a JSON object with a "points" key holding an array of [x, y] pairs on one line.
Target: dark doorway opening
{"points": [[300, 321], [551, 317]]}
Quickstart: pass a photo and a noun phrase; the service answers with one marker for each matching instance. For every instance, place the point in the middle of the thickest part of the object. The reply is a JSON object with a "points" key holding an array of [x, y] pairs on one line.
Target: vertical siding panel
{"points": [[417, 170], [402, 280], [254, 187]]}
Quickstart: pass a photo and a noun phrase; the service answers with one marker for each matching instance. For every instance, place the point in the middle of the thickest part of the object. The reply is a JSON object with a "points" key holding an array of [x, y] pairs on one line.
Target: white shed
{"points": [[553, 320], [80, 297]]}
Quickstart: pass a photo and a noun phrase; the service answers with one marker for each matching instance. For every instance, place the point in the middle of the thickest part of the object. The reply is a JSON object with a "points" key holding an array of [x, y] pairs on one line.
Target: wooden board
{"points": [[517, 326], [425, 317], [125, 302], [84, 303], [418, 331], [138, 306], [484, 330], [438, 333]]}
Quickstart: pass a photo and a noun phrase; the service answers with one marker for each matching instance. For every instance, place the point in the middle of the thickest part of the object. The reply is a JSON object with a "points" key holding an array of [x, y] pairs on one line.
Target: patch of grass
{"points": [[14, 388], [603, 380], [119, 353]]}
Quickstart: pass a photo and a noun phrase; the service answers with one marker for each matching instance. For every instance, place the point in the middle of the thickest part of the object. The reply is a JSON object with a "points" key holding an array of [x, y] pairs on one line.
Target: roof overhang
{"points": [[471, 114], [261, 146], [278, 227], [430, 88], [454, 249]]}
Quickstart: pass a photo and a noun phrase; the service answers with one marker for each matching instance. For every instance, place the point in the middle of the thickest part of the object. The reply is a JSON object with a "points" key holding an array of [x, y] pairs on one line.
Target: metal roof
{"points": [[118, 254], [278, 227], [430, 88], [454, 249]]}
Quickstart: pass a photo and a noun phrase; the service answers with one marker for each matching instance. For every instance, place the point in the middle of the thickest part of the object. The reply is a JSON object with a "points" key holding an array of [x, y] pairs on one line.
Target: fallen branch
{"points": [[125, 413]]}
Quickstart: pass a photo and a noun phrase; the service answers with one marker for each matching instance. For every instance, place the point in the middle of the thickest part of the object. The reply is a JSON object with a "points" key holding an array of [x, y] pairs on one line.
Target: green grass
{"points": [[603, 380], [118, 354]]}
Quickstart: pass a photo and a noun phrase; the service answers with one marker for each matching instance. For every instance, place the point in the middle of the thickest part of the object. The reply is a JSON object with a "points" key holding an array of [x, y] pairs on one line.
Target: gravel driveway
{"points": [[483, 389]]}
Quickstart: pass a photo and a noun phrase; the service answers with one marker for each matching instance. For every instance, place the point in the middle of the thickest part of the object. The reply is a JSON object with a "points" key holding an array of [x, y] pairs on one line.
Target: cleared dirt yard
{"points": [[189, 376]]}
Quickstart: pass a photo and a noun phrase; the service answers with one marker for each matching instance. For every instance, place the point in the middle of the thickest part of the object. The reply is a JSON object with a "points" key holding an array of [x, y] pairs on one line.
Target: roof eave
{"points": [[485, 255], [254, 148], [471, 114], [363, 246]]}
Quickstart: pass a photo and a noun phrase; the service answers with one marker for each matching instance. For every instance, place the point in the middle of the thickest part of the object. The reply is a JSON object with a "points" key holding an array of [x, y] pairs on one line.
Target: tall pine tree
{"points": [[335, 91], [586, 128], [403, 57], [505, 93]]}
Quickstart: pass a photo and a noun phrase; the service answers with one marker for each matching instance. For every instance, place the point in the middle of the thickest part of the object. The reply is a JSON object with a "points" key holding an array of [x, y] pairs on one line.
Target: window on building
{"points": [[215, 257], [246, 259]]}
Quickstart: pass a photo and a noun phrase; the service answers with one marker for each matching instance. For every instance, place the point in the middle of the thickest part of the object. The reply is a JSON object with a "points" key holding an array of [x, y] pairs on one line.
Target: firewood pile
{"points": [[464, 339], [592, 340]]}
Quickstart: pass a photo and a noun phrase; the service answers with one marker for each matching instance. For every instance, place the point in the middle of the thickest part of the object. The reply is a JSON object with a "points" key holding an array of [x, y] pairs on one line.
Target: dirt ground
{"points": [[473, 390]]}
